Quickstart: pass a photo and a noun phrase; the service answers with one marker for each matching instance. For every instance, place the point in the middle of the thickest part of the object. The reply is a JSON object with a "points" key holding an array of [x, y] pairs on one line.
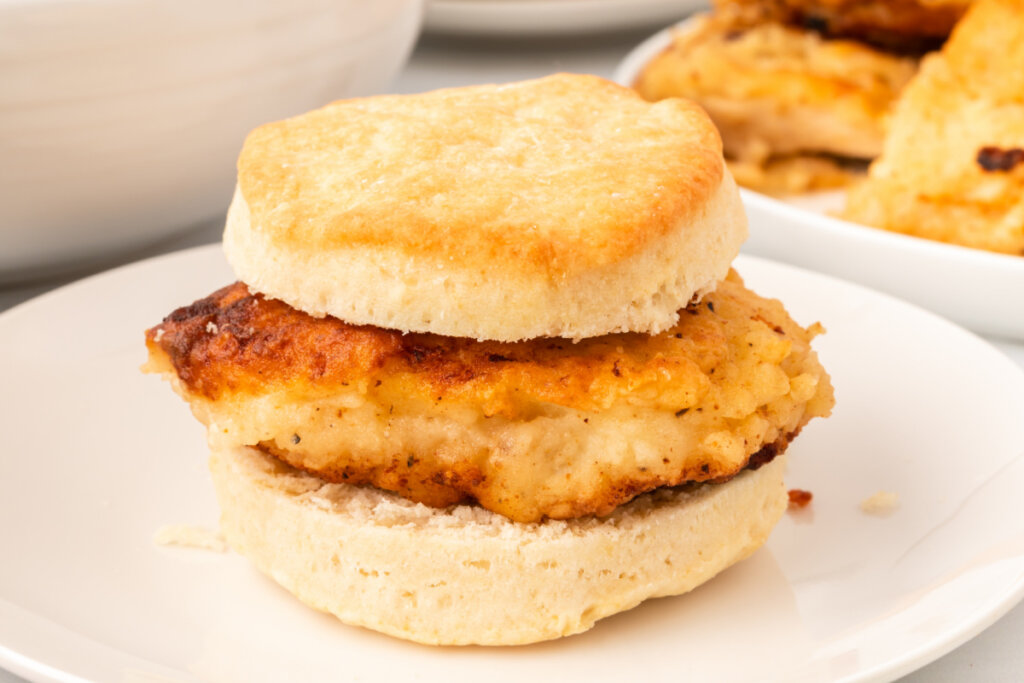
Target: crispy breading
{"points": [[903, 25], [532, 429], [778, 92], [953, 165]]}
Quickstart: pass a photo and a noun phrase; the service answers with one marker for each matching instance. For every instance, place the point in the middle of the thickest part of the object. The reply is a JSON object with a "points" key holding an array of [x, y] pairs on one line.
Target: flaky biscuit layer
{"points": [[466, 576]]}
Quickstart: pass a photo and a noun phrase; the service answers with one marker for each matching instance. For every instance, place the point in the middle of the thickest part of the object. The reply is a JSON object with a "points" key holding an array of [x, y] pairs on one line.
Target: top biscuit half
{"points": [[560, 207]]}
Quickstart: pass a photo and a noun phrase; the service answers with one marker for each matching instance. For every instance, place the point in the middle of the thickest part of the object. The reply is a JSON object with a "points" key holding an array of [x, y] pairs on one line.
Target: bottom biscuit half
{"points": [[464, 575]]}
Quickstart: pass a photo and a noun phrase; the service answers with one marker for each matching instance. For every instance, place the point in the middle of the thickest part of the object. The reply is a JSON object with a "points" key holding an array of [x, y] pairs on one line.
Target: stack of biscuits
{"points": [[800, 89], [487, 376]]}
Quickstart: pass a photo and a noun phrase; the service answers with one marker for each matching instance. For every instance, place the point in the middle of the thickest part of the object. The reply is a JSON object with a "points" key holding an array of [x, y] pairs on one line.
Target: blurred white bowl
{"points": [[120, 120]]}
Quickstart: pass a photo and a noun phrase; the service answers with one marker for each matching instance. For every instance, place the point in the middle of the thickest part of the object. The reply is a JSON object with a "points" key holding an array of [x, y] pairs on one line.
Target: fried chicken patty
{"points": [[786, 100], [532, 429]]}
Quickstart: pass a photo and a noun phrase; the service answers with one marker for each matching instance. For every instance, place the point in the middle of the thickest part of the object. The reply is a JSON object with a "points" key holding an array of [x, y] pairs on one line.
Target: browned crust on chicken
{"points": [[236, 342], [424, 483], [907, 26]]}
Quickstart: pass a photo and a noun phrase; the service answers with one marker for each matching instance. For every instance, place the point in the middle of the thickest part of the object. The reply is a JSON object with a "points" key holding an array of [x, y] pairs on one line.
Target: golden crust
{"points": [[986, 51], [776, 91], [553, 175], [953, 165], [529, 429], [235, 342], [556, 193]]}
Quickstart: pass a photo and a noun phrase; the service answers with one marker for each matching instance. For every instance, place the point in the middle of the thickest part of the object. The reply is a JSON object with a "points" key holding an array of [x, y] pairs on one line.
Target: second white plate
{"points": [[97, 457], [551, 17], [978, 289]]}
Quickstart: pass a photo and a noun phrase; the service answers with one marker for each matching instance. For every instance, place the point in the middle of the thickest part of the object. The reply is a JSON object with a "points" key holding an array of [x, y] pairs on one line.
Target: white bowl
{"points": [[978, 289], [120, 120]]}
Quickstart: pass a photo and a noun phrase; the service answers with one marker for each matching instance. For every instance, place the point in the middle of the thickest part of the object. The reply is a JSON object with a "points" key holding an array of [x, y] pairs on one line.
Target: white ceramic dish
{"points": [[551, 17], [97, 457], [120, 122], [978, 289], [975, 288]]}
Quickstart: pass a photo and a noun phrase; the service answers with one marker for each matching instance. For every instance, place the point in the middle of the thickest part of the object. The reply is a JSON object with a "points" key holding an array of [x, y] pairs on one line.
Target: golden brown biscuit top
{"points": [[553, 175]]}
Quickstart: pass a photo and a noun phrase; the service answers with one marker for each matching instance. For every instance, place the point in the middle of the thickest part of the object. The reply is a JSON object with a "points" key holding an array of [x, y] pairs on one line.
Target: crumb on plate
{"points": [[190, 536], [881, 503], [799, 499]]}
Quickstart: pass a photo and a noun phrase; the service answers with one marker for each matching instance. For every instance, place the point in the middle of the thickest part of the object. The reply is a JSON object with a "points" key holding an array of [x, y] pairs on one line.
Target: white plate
{"points": [[551, 17], [97, 457], [978, 289]]}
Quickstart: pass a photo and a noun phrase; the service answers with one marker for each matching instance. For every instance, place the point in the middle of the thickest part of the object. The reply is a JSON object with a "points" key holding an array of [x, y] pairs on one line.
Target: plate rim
{"points": [[549, 17]]}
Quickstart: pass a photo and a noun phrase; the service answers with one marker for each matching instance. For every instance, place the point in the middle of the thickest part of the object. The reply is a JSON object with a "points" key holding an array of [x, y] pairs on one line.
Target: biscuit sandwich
{"points": [[953, 165], [487, 377], [800, 89]]}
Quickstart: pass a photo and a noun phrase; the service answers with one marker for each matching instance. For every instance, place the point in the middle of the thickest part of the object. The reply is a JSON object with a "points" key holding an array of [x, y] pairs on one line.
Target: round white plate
{"points": [[551, 17], [98, 456], [978, 289]]}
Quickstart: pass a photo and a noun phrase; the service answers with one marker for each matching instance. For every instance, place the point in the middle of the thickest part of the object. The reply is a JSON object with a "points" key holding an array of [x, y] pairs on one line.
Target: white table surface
{"points": [[995, 656]]}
